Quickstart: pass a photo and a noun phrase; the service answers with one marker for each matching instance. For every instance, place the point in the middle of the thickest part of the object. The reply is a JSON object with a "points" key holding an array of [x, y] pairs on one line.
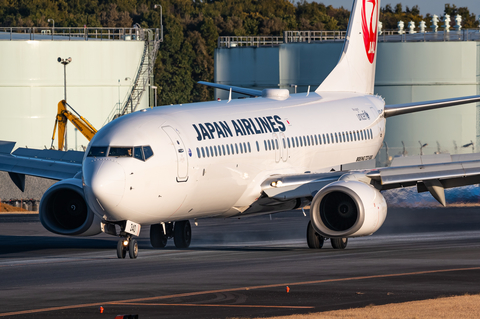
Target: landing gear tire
{"points": [[158, 239], [339, 243], [121, 249], [314, 240], [133, 248], [182, 234]]}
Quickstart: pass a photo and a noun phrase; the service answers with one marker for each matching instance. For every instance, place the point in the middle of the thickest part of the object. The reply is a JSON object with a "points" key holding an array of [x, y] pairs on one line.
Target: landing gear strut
{"points": [[181, 233], [159, 238]]}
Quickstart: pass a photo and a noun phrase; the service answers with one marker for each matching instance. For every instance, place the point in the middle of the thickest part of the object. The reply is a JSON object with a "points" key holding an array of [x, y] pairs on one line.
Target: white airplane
{"points": [[279, 151]]}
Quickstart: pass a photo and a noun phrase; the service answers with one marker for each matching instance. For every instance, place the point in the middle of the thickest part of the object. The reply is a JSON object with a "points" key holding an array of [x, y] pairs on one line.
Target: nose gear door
{"points": [[180, 151]]}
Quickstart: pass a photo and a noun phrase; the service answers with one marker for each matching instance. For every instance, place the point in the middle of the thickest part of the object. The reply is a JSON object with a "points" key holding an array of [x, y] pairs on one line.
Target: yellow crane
{"points": [[77, 120]]}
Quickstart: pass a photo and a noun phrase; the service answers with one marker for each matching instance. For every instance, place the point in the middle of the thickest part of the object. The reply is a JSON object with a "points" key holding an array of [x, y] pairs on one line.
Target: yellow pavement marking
{"points": [[199, 293]]}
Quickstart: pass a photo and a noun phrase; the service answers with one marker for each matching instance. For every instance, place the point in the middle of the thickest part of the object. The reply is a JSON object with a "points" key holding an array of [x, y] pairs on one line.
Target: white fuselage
{"points": [[206, 160]]}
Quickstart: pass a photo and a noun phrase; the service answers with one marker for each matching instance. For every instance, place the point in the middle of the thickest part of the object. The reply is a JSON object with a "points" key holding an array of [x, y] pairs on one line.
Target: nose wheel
{"points": [[127, 244]]}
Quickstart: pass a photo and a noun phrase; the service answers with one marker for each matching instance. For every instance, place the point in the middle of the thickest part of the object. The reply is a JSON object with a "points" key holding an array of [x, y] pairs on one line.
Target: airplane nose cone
{"points": [[105, 180]]}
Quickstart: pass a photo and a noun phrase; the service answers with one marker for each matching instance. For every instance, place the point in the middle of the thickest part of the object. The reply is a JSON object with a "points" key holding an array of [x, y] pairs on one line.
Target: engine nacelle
{"points": [[347, 209], [63, 210]]}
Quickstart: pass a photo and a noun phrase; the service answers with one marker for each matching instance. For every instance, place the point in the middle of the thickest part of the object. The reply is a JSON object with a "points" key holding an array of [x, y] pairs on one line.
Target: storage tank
{"points": [[106, 64], [410, 68]]}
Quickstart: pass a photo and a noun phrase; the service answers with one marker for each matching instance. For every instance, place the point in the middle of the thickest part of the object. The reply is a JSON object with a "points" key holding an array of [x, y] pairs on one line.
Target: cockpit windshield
{"points": [[120, 152], [98, 151], [141, 153]]}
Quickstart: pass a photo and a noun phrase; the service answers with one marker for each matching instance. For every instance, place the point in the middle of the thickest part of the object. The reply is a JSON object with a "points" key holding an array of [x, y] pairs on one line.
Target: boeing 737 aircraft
{"points": [[279, 151]]}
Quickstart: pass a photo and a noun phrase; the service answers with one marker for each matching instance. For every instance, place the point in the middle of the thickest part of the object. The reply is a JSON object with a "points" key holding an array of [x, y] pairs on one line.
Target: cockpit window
{"points": [[147, 151], [120, 152], [137, 152], [98, 151]]}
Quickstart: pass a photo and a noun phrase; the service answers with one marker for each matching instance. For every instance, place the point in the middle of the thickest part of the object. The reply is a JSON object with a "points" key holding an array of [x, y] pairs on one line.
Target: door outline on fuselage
{"points": [[283, 146], [180, 152], [276, 147]]}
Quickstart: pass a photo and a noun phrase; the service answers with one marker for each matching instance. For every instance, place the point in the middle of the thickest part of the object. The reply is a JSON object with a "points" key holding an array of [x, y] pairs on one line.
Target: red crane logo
{"points": [[369, 27]]}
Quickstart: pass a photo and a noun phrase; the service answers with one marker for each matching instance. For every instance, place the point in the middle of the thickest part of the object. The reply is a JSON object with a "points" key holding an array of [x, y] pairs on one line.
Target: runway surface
{"points": [[238, 268]]}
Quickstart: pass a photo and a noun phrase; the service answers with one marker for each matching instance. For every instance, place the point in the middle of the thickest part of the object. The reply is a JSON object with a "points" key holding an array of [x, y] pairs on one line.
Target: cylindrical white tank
{"points": [[406, 72], [32, 83]]}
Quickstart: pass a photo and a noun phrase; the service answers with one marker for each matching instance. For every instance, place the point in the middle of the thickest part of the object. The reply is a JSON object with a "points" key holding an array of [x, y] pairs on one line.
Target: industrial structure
{"points": [[411, 67], [109, 73]]}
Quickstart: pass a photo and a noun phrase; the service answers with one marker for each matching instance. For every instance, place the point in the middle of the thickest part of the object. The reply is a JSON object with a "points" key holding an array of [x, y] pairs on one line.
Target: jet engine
{"points": [[64, 211], [347, 209]]}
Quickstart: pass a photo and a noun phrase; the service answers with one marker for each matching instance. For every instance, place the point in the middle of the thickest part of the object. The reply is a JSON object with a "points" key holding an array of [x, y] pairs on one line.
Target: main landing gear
{"points": [[315, 240], [181, 233]]}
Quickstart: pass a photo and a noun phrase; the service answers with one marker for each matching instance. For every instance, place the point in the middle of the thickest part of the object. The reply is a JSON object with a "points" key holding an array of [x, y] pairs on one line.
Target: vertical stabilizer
{"points": [[355, 71]]}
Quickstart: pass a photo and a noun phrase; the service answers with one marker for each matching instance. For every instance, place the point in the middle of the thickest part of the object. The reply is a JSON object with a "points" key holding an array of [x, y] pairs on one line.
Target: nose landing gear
{"points": [[127, 244]]}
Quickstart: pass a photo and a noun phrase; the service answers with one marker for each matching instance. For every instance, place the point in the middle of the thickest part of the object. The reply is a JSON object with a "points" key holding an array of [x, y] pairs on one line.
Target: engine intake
{"points": [[348, 209], [63, 210]]}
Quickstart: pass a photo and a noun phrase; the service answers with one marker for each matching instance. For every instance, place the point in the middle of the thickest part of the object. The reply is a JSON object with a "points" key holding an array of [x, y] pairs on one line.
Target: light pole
{"points": [[65, 62], [421, 147], [53, 28], [155, 90], [155, 6]]}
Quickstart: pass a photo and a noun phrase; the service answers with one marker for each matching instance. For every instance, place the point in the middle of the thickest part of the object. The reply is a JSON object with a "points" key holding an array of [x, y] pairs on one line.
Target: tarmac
{"points": [[238, 268]]}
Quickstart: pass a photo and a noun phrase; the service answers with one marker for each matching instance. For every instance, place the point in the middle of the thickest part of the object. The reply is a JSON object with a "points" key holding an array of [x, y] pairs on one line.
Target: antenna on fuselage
{"points": [[230, 96], [308, 90]]}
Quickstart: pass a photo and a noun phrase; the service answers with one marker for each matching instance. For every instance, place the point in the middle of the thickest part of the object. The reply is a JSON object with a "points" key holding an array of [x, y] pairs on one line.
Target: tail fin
{"points": [[355, 71]]}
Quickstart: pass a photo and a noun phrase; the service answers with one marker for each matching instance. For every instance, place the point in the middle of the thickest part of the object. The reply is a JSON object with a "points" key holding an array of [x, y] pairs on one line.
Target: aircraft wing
{"points": [[51, 164], [399, 109], [432, 173], [236, 89]]}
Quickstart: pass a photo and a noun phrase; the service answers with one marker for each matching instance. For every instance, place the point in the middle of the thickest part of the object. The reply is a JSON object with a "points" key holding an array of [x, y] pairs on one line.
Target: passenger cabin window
{"points": [[98, 151]]}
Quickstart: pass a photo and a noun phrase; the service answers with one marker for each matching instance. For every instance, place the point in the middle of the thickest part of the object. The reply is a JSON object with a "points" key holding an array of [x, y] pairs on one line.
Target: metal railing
{"points": [[313, 36], [440, 36], [69, 34], [249, 41], [333, 36]]}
